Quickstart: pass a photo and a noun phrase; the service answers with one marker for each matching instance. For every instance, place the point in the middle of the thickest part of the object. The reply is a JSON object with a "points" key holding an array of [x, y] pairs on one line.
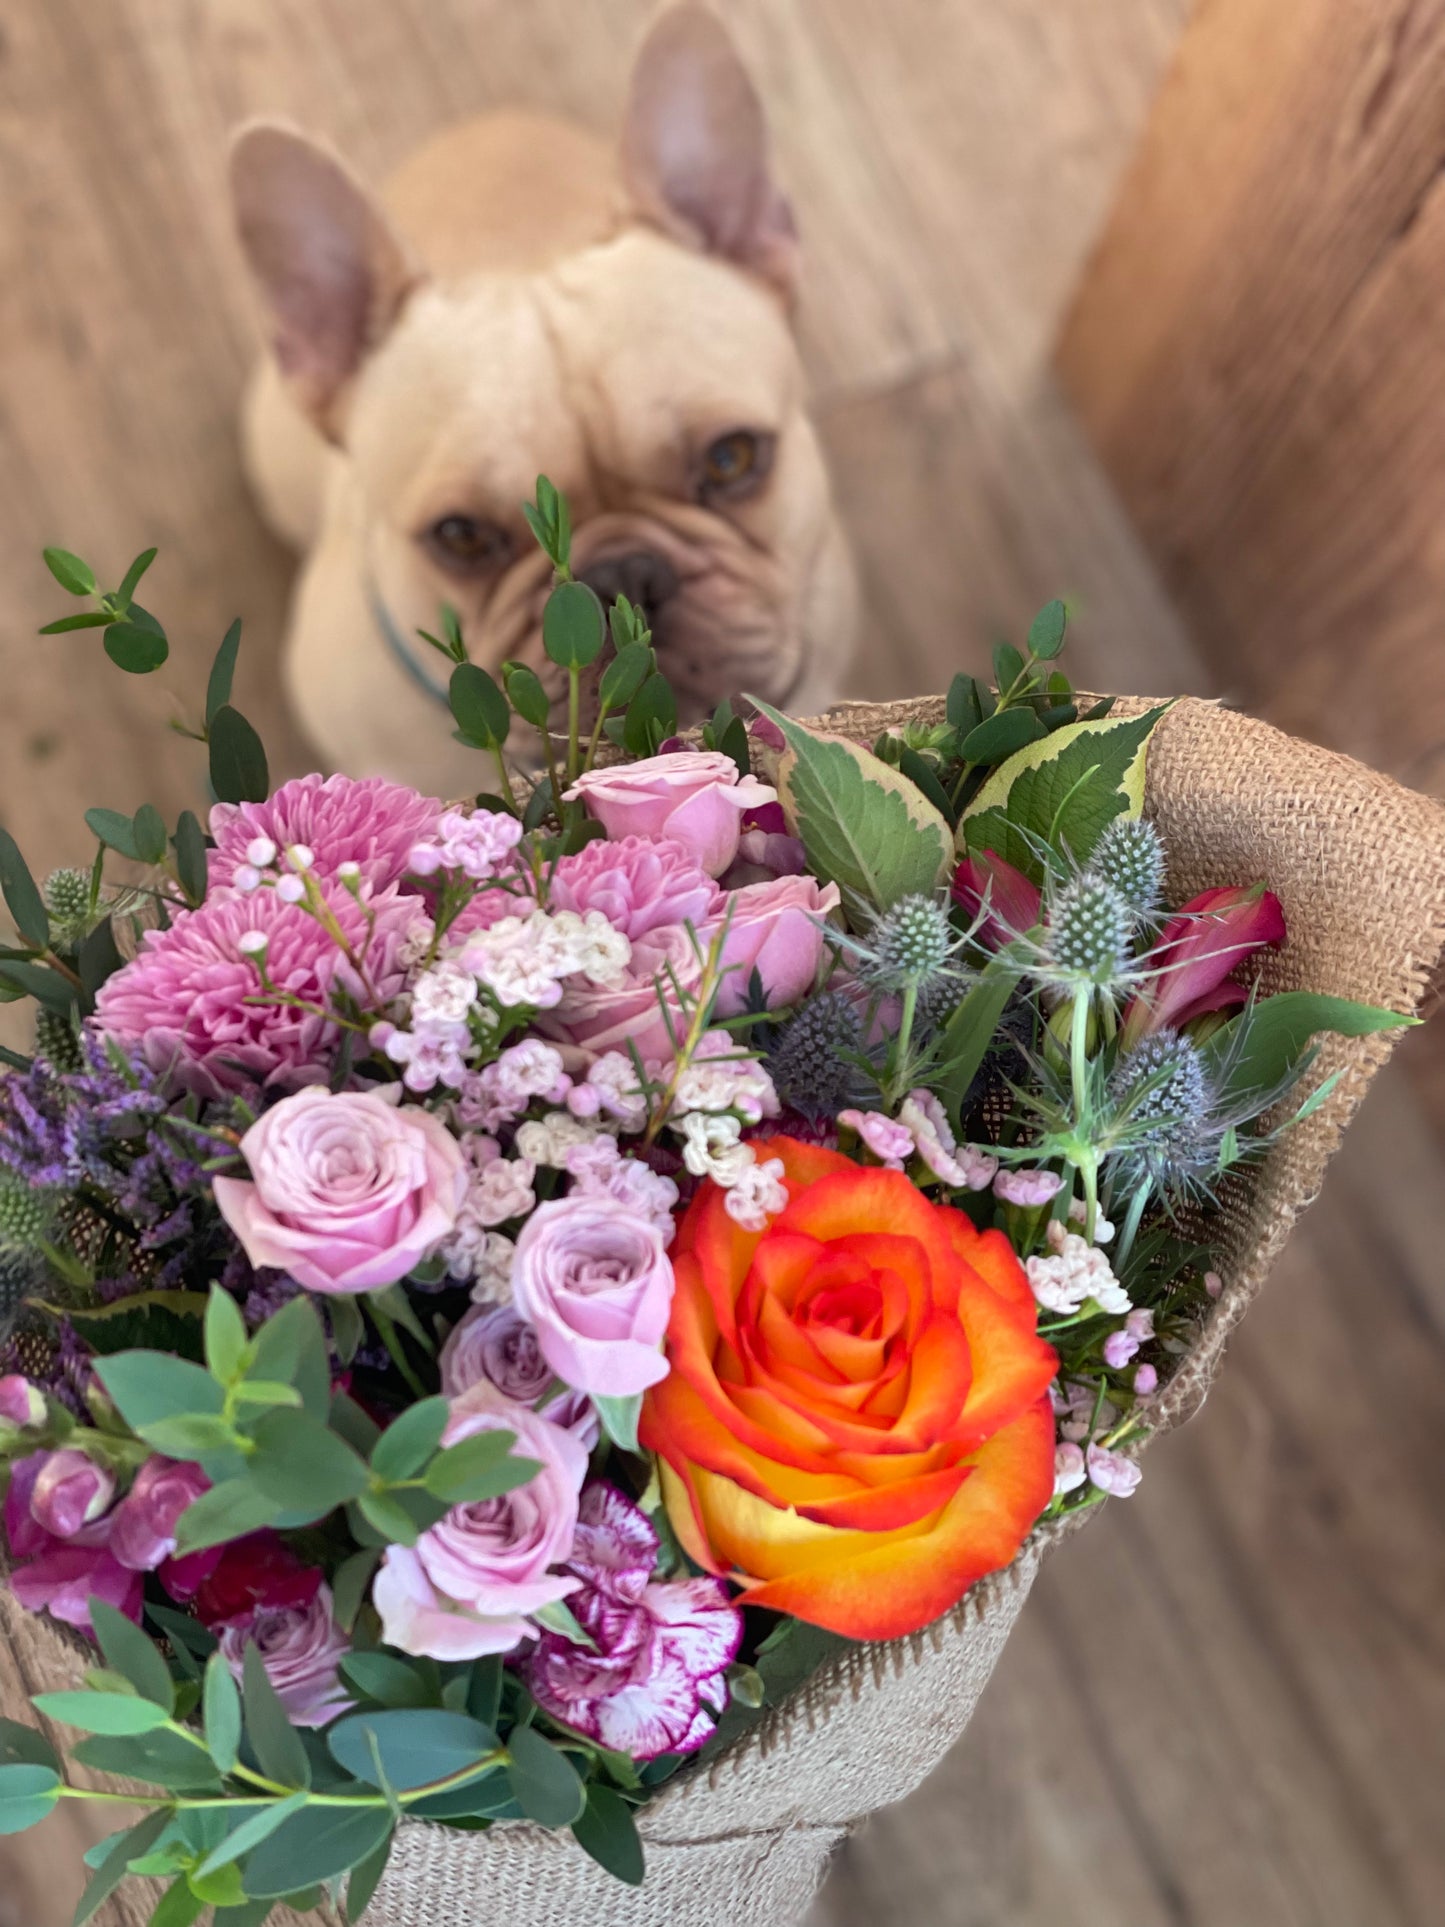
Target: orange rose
{"points": [[855, 1426]]}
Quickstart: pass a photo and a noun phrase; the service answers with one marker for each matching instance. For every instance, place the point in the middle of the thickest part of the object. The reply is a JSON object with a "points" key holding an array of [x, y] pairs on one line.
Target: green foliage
{"points": [[316, 1844], [573, 626], [551, 524], [223, 673], [620, 1418], [482, 716], [410, 1747], [128, 1652], [651, 716], [135, 648], [526, 694], [1257, 1050], [607, 1831], [544, 1783], [22, 896], [238, 761], [966, 1037]]}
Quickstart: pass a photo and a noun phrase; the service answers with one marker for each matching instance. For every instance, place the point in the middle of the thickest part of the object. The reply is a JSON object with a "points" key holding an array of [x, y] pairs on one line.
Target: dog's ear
{"points": [[695, 148], [330, 270]]}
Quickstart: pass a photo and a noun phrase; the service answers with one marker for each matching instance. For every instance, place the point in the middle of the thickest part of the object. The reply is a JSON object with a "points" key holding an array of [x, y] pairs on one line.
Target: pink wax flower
{"points": [[594, 1279], [1070, 1470], [21, 1403], [658, 1677], [494, 1345], [1119, 1348], [61, 1575], [300, 1647], [183, 998], [340, 819], [1030, 1190], [597, 1021], [477, 843], [1111, 1472], [694, 797], [1146, 1381], [776, 929], [469, 1584], [348, 1192], [984, 884], [1195, 956], [891, 1143], [143, 1530], [638, 883], [70, 1493]]}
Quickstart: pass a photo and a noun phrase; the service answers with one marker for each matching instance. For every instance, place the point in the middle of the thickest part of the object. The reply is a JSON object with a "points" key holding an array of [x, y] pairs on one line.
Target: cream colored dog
{"points": [[529, 302]]}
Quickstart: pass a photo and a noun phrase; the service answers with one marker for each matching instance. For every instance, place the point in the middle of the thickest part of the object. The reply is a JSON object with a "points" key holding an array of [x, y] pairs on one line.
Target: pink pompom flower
{"points": [[339, 819], [301, 1647], [593, 1277], [639, 884], [184, 998], [694, 797], [657, 1678], [348, 1191], [471, 1582]]}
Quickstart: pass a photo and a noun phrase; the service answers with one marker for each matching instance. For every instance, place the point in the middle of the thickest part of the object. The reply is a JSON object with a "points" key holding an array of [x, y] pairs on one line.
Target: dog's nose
{"points": [[644, 577]]}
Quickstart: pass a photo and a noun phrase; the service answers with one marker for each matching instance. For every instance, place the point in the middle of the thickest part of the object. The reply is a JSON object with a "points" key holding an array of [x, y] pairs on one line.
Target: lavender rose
{"points": [[694, 797], [143, 1530], [471, 1581], [595, 1280], [349, 1192], [300, 1647], [494, 1345]]}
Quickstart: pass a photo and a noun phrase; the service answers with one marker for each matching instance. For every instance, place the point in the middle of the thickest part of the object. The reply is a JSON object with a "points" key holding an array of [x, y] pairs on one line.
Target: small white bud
{"points": [[290, 889], [253, 943], [349, 872], [260, 851], [247, 878], [300, 856]]}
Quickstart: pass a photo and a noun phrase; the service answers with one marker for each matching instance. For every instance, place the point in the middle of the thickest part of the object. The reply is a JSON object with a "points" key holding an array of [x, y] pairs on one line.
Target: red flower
{"points": [[1009, 902], [258, 1571], [1198, 949]]}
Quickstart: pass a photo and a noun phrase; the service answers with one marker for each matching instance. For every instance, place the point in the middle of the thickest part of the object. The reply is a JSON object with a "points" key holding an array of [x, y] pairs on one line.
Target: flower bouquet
{"points": [[548, 1337]]}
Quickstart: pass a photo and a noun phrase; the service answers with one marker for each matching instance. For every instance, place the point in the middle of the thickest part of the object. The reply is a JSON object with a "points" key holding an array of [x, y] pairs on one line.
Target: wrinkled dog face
{"points": [[649, 370]]}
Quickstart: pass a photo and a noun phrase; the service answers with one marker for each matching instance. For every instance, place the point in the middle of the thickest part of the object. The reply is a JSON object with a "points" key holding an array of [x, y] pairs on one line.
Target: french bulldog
{"points": [[523, 300]]}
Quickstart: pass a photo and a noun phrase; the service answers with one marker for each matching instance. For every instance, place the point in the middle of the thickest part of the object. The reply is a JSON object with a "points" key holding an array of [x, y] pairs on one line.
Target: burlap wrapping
{"points": [[1360, 866]]}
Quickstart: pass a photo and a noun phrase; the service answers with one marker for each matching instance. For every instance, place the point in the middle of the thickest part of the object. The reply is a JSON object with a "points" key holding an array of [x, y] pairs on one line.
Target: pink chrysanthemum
{"points": [[183, 998], [340, 819], [657, 1679], [637, 884]]}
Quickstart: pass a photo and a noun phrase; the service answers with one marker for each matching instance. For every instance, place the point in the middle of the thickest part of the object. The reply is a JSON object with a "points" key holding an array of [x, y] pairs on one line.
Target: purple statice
{"points": [[656, 1678]]}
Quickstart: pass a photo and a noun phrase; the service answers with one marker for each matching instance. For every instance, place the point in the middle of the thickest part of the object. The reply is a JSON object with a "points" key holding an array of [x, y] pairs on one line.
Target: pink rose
{"points": [[21, 1403], [300, 1647], [694, 797], [776, 929], [143, 1531], [349, 1192], [471, 1581], [597, 1020], [637, 883], [595, 1280], [70, 1493], [494, 1345]]}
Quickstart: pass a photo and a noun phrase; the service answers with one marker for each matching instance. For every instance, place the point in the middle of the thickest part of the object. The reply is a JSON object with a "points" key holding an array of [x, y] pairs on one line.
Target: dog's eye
{"points": [[463, 542], [735, 464]]}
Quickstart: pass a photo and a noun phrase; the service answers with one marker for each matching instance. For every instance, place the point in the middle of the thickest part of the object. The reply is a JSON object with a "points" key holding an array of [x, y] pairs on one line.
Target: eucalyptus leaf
{"points": [[316, 1844], [98, 958], [110, 1714], [135, 647], [415, 1746], [22, 896], [1000, 735], [409, 1441], [544, 1782], [221, 1710], [526, 694], [274, 1740], [480, 708], [130, 1653], [386, 1679], [28, 1793], [364, 1880], [228, 1511], [149, 829], [223, 672], [260, 1823], [146, 1386], [573, 626], [238, 760], [303, 1466], [121, 1849], [226, 1337], [606, 1830], [619, 1418], [1046, 631], [115, 830], [73, 575], [189, 842]]}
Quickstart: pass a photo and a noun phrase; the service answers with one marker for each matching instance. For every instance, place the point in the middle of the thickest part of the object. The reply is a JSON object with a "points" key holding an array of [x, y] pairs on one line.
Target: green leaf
{"points": [[121, 1849], [607, 1831], [130, 581], [1008, 665], [365, 1879], [223, 671], [228, 1511], [526, 694], [39, 982], [651, 715], [254, 1913], [275, 1741], [316, 1844], [27, 1794], [479, 706], [863, 825], [291, 1347], [131, 1654], [178, 1907], [573, 626], [226, 1336], [409, 1441], [164, 1758], [149, 829], [112, 1714], [619, 1418], [1258, 1049], [303, 1466], [189, 842], [390, 1518], [258, 1826], [625, 675], [22, 897], [22, 1745], [968, 1033], [146, 1386], [386, 1679], [98, 958], [478, 1468], [134, 648], [73, 575], [962, 708], [221, 1710], [925, 777], [66, 625], [416, 1746], [1000, 735], [114, 830], [238, 760], [544, 1782], [1063, 790], [1046, 631], [349, 1583]]}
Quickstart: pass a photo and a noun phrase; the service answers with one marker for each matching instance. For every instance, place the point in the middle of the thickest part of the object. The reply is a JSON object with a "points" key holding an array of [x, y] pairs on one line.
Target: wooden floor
{"points": [[1226, 1703]]}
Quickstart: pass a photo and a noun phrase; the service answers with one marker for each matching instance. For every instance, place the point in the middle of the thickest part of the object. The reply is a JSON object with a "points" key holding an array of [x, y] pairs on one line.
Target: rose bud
{"points": [[143, 1532], [71, 1492], [20, 1403]]}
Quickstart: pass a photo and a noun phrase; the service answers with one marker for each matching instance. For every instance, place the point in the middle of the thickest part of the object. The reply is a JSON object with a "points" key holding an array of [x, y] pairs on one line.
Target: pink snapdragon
{"points": [[143, 1531], [693, 797], [348, 1191], [365, 821], [70, 1493], [60, 1574], [656, 1677], [21, 1403], [593, 1277], [471, 1582]]}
